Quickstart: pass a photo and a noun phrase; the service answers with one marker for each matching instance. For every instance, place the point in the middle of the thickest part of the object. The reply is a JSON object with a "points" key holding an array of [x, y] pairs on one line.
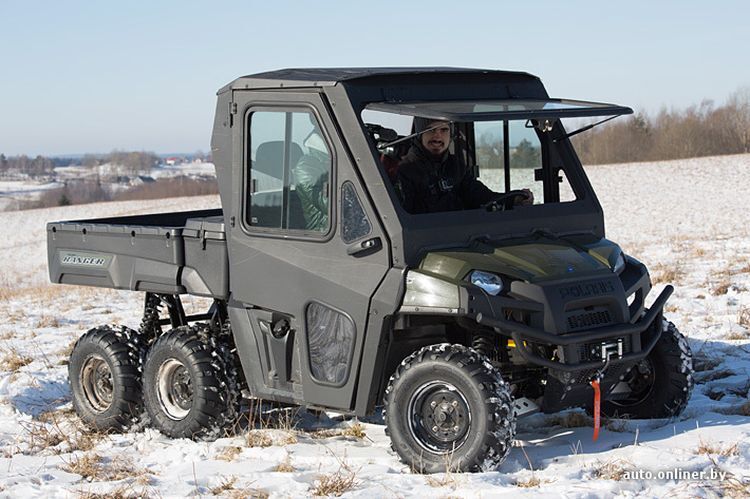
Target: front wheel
{"points": [[658, 386], [447, 409]]}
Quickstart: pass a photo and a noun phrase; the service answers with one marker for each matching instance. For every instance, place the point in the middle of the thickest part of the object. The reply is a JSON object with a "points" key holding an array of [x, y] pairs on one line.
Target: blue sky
{"points": [[96, 76]]}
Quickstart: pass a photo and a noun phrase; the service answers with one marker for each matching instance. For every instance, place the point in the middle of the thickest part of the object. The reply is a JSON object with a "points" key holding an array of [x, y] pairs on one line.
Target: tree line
{"points": [[131, 162], [699, 130], [35, 167], [93, 191]]}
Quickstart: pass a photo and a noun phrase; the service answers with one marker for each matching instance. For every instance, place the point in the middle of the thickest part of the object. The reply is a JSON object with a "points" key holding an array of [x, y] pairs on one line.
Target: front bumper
{"points": [[642, 336]]}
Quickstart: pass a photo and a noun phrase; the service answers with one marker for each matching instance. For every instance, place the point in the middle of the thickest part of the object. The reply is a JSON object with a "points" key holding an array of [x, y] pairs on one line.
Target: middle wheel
{"points": [[189, 384]]}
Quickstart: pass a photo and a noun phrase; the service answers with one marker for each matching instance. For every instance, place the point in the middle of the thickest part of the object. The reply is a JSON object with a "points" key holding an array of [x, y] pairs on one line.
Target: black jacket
{"points": [[427, 184]]}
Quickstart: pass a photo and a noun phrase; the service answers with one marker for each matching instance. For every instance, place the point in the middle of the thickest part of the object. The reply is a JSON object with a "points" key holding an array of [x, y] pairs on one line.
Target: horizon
{"points": [[101, 78]]}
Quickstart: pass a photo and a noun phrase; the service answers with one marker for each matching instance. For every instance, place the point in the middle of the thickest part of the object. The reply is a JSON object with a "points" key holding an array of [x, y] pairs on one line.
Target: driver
{"points": [[430, 179]]}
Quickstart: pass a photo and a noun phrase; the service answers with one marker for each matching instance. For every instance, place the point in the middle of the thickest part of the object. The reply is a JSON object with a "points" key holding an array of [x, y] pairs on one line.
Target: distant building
{"points": [[142, 179]]}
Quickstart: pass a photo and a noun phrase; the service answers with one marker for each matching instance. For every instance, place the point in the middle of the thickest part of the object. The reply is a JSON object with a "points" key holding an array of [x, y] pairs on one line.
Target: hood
{"points": [[540, 259]]}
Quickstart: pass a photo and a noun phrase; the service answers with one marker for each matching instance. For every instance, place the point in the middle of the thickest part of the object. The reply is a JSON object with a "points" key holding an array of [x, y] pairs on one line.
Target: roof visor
{"points": [[496, 110]]}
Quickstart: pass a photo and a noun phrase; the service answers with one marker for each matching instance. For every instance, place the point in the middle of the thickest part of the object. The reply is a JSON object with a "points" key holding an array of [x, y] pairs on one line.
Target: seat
{"points": [[267, 175], [269, 158]]}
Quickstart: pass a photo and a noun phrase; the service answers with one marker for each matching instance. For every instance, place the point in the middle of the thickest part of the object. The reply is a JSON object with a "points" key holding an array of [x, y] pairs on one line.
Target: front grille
{"points": [[588, 320]]}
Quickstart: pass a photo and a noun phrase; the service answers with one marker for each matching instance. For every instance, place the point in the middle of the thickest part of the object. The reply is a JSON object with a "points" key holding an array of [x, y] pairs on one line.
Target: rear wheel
{"points": [[658, 386], [447, 409], [105, 379], [190, 387]]}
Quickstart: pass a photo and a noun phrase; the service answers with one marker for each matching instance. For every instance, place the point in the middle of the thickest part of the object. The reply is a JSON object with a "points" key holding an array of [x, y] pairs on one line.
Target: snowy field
{"points": [[15, 192], [687, 220]]}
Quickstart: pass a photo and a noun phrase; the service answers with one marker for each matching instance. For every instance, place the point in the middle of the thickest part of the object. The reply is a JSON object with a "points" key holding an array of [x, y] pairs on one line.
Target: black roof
{"points": [[321, 77]]}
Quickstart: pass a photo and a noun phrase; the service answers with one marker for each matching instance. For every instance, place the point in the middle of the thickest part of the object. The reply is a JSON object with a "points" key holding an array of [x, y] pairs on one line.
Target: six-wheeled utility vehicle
{"points": [[327, 293]]}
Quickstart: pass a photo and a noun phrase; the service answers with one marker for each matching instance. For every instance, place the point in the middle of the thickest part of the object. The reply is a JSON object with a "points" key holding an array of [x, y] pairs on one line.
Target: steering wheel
{"points": [[501, 200]]}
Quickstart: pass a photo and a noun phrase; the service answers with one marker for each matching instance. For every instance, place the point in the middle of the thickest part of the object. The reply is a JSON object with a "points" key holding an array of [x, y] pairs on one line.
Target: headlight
{"points": [[619, 264], [491, 283]]}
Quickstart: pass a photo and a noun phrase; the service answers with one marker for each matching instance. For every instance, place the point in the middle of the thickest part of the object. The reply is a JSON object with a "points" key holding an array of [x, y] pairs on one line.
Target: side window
{"points": [[355, 223], [288, 172]]}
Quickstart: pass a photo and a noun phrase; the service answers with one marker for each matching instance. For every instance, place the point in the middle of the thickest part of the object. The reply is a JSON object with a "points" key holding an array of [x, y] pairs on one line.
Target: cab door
{"points": [[307, 251]]}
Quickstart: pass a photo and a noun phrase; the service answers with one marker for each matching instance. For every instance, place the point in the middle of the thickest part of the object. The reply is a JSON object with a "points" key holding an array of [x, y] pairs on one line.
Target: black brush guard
{"points": [[521, 333]]}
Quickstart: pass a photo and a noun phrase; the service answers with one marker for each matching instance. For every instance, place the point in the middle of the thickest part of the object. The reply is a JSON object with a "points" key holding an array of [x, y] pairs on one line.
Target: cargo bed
{"points": [[175, 253]]}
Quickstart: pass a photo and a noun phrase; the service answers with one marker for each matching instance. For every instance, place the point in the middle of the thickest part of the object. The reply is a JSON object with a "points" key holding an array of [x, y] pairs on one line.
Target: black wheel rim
{"points": [[96, 381], [174, 389], [640, 380], [439, 417]]}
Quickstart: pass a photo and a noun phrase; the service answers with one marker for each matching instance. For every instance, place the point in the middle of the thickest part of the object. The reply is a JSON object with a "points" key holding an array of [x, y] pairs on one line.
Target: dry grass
{"points": [[335, 484], [229, 453], [668, 274], [87, 465], [43, 294], [7, 335], [260, 416], [707, 376], [285, 466], [736, 410], [268, 437], [731, 486], [447, 479], [701, 362], [12, 360], [55, 416], [612, 470], [65, 352], [225, 485], [92, 466], [439, 480], [617, 425], [258, 438], [529, 483], [721, 287], [671, 308], [570, 420], [735, 487], [713, 448], [699, 252], [715, 394], [52, 429], [48, 321], [743, 317], [735, 335], [245, 493], [15, 316], [355, 432]]}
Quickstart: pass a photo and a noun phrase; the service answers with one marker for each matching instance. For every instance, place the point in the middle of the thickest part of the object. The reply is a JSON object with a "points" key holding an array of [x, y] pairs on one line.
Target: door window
{"points": [[289, 172]]}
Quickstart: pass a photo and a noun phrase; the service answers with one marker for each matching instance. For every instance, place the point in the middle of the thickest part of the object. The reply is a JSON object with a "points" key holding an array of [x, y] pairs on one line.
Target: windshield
{"points": [[506, 109], [438, 165]]}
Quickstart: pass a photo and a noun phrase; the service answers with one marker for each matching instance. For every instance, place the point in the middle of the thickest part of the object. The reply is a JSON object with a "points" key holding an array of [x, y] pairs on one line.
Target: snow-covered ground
{"points": [[14, 192], [686, 220]]}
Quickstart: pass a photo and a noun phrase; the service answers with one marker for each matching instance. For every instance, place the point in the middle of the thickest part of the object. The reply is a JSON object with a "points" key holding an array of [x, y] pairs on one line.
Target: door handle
{"points": [[372, 244]]}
